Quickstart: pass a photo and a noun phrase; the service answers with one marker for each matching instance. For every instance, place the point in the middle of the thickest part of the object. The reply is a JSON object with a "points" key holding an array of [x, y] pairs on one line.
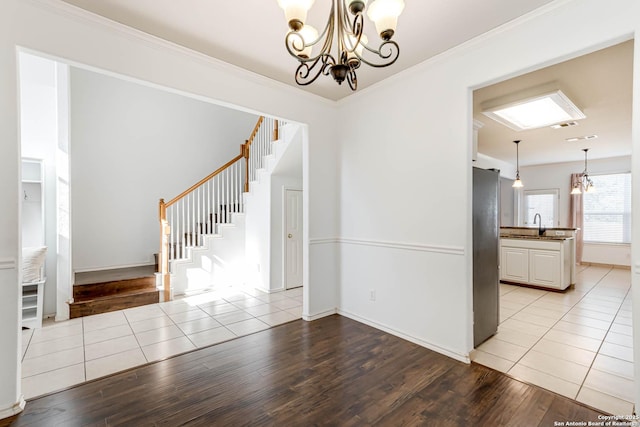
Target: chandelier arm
{"points": [[391, 55], [305, 73], [353, 30], [293, 39], [352, 79]]}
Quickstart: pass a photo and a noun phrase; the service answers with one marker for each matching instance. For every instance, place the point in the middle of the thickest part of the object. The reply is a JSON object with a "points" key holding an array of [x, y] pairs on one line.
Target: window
{"points": [[607, 211], [544, 202]]}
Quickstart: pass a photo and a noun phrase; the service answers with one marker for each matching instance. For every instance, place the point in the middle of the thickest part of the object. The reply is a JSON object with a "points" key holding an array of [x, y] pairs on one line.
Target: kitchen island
{"points": [[535, 258]]}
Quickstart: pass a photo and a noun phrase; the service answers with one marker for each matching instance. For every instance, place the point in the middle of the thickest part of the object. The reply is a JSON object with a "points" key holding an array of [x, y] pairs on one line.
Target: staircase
{"points": [[202, 230], [202, 237], [112, 290]]}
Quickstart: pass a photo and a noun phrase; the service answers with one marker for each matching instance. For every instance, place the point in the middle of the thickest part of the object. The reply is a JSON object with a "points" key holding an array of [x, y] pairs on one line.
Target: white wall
{"points": [[558, 175], [62, 31], [507, 202], [258, 232], [405, 195], [264, 212], [131, 146]]}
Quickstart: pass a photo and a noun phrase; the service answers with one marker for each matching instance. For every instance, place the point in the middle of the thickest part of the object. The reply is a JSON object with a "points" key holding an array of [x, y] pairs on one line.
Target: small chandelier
{"points": [[583, 181], [346, 23], [517, 183]]}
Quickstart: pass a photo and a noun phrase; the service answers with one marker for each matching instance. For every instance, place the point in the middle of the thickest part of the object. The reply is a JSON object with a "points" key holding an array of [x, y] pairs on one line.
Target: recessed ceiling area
{"points": [[250, 33], [599, 83]]}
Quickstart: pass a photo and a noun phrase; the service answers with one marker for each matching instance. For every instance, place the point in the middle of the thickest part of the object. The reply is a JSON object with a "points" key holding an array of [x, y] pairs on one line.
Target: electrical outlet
{"points": [[559, 233], [372, 294]]}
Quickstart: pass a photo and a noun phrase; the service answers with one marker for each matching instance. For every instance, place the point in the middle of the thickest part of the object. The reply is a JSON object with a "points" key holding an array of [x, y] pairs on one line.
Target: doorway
{"points": [[571, 342], [293, 238]]}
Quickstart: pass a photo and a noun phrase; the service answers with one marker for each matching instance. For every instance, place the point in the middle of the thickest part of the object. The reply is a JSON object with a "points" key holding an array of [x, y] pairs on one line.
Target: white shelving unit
{"points": [[33, 234], [32, 304]]}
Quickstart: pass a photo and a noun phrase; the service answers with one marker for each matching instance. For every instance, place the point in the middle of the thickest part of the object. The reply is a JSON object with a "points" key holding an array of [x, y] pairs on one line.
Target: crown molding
{"points": [[85, 17]]}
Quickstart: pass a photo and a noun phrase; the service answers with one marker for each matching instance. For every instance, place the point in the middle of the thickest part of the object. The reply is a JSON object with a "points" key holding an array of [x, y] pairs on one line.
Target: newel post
{"points": [[244, 150], [163, 262], [276, 133]]}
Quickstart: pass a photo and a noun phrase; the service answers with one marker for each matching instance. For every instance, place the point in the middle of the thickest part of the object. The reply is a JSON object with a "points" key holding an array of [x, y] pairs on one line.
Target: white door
{"points": [[293, 239]]}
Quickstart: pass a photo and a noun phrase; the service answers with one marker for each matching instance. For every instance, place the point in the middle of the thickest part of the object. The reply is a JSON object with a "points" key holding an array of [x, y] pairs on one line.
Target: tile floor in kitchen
{"points": [[576, 343], [66, 353]]}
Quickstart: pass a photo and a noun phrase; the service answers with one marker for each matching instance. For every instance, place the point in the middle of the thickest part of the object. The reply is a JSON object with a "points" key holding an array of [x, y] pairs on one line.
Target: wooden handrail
{"points": [[255, 130], [205, 179]]}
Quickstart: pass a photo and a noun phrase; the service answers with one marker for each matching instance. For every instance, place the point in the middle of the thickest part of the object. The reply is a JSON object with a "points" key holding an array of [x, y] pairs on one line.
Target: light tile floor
{"points": [[577, 343], [62, 354]]}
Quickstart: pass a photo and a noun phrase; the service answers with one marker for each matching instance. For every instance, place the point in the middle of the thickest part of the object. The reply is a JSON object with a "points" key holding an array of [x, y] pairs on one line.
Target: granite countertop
{"points": [[534, 237], [535, 228]]}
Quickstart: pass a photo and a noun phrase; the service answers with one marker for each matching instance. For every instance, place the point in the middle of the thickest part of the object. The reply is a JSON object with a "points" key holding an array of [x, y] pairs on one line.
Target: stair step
{"points": [[91, 291], [107, 303]]}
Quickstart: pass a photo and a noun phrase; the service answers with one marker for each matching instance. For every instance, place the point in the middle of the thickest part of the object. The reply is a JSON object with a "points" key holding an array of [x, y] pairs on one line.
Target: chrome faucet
{"points": [[541, 229]]}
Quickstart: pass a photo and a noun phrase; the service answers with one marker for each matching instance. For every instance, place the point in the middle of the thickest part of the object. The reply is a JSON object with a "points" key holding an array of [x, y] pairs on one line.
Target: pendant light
{"points": [[583, 182], [517, 183]]}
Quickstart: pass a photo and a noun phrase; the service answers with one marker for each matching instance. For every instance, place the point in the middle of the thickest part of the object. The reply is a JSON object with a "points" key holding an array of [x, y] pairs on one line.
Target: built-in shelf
{"points": [[32, 294], [33, 235]]}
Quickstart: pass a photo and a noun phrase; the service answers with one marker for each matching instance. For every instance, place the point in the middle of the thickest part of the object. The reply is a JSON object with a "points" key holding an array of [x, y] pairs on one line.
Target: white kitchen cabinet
{"points": [[537, 262], [514, 264], [544, 268]]}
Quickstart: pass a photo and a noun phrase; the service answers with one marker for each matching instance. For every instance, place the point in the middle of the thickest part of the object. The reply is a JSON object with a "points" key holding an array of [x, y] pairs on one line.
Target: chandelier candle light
{"points": [[346, 23]]}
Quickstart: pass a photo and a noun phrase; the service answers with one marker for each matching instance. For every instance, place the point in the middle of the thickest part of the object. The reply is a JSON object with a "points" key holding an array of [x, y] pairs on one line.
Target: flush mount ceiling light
{"points": [[583, 182], [345, 25], [535, 112], [517, 183]]}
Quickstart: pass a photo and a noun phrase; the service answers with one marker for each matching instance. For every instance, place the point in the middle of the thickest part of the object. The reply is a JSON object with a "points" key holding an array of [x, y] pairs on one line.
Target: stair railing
{"points": [[212, 200]]}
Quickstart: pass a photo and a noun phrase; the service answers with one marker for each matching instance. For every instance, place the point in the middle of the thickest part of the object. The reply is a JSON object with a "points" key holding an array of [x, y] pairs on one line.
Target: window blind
{"points": [[607, 211]]}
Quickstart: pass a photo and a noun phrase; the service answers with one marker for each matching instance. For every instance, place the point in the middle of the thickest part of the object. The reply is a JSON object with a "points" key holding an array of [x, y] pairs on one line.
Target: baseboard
{"points": [[597, 264], [113, 267], [312, 317], [14, 410], [422, 343]]}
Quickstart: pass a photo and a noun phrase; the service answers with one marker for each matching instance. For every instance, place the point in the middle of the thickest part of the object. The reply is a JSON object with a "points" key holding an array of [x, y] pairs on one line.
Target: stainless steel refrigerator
{"points": [[486, 259]]}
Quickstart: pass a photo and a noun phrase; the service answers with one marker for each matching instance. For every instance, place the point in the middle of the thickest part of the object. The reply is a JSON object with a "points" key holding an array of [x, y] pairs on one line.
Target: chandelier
{"points": [[345, 25], [583, 181]]}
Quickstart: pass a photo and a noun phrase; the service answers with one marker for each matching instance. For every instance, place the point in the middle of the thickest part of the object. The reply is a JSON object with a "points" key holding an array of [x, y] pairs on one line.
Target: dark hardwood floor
{"points": [[333, 371]]}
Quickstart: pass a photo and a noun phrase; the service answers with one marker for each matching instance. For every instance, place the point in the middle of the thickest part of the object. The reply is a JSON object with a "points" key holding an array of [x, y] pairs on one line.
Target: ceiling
{"points": [[250, 33], [600, 84]]}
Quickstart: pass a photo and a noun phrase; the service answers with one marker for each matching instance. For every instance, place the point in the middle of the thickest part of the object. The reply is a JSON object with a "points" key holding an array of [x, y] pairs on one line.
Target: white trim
{"points": [[86, 17], [324, 241], [450, 250], [111, 267], [14, 410], [460, 48], [7, 263], [418, 341], [312, 317]]}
